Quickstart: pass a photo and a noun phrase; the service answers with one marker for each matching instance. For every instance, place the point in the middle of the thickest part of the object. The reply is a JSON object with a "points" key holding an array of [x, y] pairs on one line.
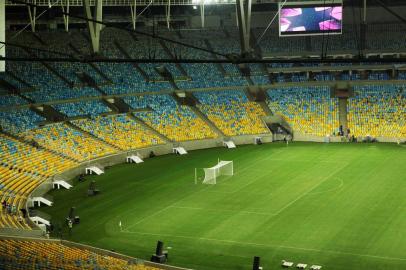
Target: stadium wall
{"points": [[301, 137], [158, 150]]}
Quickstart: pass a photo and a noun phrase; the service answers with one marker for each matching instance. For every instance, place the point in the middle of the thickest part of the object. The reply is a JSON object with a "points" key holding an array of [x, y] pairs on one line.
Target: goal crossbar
{"points": [[223, 167]]}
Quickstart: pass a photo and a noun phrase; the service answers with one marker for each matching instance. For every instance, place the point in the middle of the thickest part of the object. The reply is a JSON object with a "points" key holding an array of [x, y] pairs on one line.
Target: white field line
{"points": [[310, 190], [331, 189], [241, 191], [252, 165], [262, 213], [231, 242], [307, 161], [224, 210], [173, 204], [245, 168]]}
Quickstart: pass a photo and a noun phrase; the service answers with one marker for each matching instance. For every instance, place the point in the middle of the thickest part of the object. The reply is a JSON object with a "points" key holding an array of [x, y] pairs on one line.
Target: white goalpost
{"points": [[223, 167]]}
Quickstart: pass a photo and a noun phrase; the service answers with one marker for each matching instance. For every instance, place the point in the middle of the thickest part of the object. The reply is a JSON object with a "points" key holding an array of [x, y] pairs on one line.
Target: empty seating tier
{"points": [[378, 111], [309, 110], [71, 142], [120, 130], [231, 112], [24, 254], [178, 123]]}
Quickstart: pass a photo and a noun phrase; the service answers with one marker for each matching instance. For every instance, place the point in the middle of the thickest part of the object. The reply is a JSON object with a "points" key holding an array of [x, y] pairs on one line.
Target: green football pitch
{"points": [[341, 206]]}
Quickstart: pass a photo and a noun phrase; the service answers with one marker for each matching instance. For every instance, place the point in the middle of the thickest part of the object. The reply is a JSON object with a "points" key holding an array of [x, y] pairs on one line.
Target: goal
{"points": [[223, 167]]}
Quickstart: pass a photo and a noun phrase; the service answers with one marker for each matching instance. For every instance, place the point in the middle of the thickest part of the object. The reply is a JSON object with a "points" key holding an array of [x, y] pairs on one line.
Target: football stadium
{"points": [[202, 134]]}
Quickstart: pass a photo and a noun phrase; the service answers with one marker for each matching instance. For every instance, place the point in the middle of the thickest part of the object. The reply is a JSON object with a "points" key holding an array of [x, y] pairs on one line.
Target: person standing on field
{"points": [[70, 225]]}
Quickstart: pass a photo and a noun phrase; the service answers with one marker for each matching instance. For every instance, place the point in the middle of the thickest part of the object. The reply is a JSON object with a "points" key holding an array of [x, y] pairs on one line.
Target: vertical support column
{"points": [[363, 27], [394, 73], [65, 9], [94, 28], [2, 34], [365, 11], [32, 13], [241, 23], [236, 15], [308, 43], [133, 8], [343, 113], [247, 6], [202, 13], [99, 16], [168, 14], [244, 24]]}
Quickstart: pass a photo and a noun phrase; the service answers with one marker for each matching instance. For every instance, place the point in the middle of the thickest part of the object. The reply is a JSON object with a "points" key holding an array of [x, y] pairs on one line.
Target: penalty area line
{"points": [[232, 242]]}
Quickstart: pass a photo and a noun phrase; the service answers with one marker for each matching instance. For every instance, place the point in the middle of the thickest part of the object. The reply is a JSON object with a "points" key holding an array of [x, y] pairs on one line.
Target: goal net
{"points": [[222, 168]]}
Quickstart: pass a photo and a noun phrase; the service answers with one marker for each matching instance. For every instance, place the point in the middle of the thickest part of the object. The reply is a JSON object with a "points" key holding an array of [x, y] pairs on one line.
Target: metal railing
{"points": [[117, 3], [112, 3]]}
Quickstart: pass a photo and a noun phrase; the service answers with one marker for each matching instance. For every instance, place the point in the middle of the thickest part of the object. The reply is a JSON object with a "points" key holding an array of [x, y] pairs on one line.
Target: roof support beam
{"points": [[168, 14], [133, 9], [363, 26], [2, 34], [365, 11], [244, 24], [94, 27], [202, 13], [32, 14], [65, 13]]}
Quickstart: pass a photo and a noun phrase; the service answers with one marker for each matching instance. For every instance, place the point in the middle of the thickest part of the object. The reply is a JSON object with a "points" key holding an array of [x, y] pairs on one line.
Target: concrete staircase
{"points": [[207, 121], [93, 136], [49, 113], [11, 89], [52, 70], [276, 120], [257, 94], [191, 102], [135, 65], [15, 77], [265, 107], [170, 54], [219, 66], [342, 113], [88, 80], [96, 69], [146, 126]]}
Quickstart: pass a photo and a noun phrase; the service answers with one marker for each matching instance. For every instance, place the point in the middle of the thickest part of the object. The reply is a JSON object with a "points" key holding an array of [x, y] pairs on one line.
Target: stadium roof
{"points": [[113, 3], [117, 3]]}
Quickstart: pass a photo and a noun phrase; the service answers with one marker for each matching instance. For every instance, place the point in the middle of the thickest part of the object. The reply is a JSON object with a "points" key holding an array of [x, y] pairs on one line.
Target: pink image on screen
{"points": [[285, 23], [330, 25], [290, 12], [337, 13]]}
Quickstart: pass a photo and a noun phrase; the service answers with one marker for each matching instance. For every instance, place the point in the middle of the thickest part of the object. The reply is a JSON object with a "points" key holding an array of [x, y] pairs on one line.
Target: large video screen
{"points": [[310, 19]]}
